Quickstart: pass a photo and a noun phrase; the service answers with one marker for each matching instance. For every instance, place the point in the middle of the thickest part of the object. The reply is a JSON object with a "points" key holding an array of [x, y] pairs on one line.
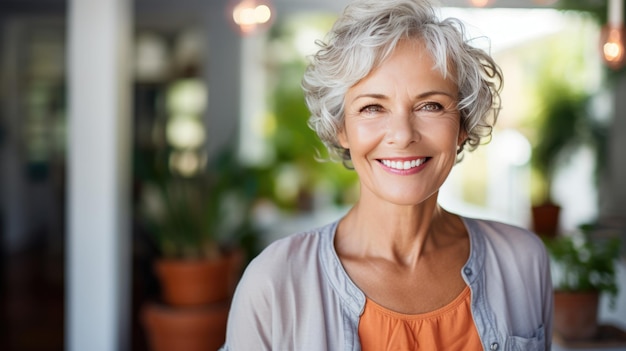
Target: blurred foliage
{"points": [[202, 215], [295, 145], [583, 263], [562, 119], [565, 127], [596, 8]]}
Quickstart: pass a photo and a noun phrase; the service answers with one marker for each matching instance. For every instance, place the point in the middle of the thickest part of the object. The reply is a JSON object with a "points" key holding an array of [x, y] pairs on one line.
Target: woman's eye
{"points": [[371, 109], [432, 106]]}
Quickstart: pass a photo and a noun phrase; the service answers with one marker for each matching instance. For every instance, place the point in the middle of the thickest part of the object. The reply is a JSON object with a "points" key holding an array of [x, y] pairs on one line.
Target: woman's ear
{"points": [[461, 141], [462, 137], [342, 137]]}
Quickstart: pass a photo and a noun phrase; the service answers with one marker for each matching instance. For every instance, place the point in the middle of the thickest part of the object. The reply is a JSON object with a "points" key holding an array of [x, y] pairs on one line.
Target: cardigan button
{"points": [[467, 271], [494, 346]]}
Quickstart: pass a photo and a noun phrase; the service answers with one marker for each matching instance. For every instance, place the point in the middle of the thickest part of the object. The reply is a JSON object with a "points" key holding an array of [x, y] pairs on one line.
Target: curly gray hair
{"points": [[366, 33]]}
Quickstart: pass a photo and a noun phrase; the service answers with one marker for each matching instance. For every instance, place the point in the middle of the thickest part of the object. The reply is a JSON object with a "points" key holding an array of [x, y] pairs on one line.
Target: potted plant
{"points": [[583, 267], [197, 222], [563, 118], [565, 124], [557, 132]]}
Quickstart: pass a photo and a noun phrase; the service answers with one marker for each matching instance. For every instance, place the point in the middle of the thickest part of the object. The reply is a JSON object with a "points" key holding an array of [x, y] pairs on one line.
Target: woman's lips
{"points": [[404, 164]]}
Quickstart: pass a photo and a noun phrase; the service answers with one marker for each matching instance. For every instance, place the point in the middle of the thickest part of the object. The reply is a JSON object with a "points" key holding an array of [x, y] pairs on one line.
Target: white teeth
{"points": [[403, 165]]}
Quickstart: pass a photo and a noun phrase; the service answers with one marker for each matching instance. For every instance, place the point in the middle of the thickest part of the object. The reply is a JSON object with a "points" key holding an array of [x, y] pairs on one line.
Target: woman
{"points": [[400, 95]]}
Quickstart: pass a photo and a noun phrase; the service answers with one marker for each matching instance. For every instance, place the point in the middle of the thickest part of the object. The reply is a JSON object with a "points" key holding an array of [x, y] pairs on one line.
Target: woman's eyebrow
{"points": [[370, 95], [435, 92]]}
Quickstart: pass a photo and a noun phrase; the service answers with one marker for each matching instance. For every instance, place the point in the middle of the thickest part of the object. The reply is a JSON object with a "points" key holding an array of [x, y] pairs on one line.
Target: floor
{"points": [[32, 303]]}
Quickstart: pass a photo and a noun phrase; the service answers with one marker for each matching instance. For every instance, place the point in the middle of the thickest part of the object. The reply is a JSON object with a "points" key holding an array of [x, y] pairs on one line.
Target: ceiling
{"points": [[23, 6]]}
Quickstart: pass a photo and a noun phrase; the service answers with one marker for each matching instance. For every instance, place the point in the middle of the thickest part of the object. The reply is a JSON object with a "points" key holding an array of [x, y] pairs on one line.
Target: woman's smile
{"points": [[404, 166]]}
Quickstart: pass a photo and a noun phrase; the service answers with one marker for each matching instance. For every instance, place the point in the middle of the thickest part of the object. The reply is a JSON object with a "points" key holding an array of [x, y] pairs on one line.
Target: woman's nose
{"points": [[402, 130]]}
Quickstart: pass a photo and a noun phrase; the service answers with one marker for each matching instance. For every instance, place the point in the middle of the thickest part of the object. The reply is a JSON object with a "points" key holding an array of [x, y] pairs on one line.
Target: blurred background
{"points": [[133, 131]]}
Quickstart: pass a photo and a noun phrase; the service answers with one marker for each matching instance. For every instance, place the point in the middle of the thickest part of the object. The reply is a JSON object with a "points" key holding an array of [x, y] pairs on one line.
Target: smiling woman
{"points": [[402, 126], [400, 95]]}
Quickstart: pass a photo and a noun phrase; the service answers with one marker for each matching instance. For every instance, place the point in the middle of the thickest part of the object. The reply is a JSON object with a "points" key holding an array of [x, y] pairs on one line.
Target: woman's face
{"points": [[402, 127]]}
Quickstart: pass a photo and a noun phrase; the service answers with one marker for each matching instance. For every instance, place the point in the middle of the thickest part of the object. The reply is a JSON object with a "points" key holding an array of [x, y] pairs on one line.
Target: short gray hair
{"points": [[366, 33]]}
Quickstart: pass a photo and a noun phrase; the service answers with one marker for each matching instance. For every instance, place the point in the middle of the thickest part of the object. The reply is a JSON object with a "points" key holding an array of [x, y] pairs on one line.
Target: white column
{"points": [[99, 120]]}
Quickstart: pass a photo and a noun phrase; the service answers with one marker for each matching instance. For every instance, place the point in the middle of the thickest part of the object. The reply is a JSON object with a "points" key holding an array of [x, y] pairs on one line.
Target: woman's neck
{"points": [[394, 232]]}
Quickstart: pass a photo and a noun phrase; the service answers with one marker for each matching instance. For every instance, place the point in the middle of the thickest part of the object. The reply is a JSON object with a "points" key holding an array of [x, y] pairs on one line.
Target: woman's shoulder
{"points": [[508, 249], [294, 245], [504, 236], [279, 292], [289, 255]]}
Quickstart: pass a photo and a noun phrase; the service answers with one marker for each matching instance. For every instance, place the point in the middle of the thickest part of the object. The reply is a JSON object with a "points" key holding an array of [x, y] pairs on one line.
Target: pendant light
{"points": [[612, 36], [250, 16], [481, 3]]}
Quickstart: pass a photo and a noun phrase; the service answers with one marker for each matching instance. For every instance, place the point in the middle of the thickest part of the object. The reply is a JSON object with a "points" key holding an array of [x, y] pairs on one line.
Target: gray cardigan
{"points": [[296, 295]]}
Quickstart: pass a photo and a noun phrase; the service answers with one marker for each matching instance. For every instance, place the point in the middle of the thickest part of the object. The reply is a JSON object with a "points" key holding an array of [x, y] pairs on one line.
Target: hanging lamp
{"points": [[612, 36], [250, 16], [481, 3]]}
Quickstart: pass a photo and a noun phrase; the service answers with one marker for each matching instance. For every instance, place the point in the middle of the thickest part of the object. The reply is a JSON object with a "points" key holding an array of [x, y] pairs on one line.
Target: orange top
{"points": [[448, 328]]}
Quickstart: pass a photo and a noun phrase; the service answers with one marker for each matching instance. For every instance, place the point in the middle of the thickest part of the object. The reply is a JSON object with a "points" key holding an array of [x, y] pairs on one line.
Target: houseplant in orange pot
{"points": [[559, 133], [197, 222], [583, 268], [565, 120]]}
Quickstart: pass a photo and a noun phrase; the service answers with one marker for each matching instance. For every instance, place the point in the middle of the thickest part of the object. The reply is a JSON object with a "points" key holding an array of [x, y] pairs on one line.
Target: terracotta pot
{"points": [[546, 219], [576, 314], [198, 282], [185, 329]]}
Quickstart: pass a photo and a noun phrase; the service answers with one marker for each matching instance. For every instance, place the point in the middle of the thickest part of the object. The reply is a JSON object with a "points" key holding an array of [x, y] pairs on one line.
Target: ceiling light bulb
{"points": [[480, 3], [250, 15], [612, 36], [612, 46]]}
